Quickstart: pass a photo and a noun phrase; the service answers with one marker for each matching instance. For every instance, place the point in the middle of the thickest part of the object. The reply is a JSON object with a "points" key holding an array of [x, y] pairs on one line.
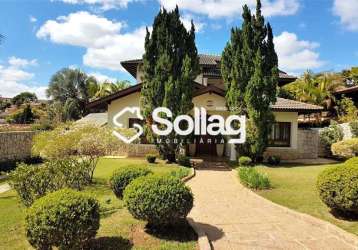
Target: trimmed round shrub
{"points": [[338, 188], [245, 161], [123, 176], [150, 158], [352, 161], [159, 200], [330, 135], [65, 219], [184, 161], [346, 148], [274, 160]]}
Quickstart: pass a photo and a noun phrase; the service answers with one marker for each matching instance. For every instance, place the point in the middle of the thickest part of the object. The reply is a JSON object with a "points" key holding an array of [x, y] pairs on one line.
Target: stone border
{"points": [[203, 240], [325, 225], [190, 176]]}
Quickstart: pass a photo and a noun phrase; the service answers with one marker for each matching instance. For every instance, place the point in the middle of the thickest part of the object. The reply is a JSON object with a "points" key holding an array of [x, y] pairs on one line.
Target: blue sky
{"points": [[43, 36]]}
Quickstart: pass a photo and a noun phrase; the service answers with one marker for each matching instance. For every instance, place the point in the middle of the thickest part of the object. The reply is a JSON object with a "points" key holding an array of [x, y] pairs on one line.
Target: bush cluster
{"points": [[151, 158], [181, 173], [331, 135], [274, 160], [65, 219], [253, 179], [184, 161], [245, 161], [354, 128], [346, 148], [338, 187], [158, 199], [123, 176], [32, 182]]}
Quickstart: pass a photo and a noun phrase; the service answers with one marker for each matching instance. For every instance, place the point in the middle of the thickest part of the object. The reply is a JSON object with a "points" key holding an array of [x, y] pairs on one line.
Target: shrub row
{"points": [[346, 148], [251, 178], [32, 182], [338, 187]]}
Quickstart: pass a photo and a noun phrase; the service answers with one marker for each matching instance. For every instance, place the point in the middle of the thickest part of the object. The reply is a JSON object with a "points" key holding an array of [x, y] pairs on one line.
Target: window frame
{"points": [[284, 128]]}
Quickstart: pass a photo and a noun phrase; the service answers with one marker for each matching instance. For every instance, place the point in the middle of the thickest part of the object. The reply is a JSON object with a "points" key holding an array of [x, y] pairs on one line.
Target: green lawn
{"points": [[118, 230], [295, 187]]}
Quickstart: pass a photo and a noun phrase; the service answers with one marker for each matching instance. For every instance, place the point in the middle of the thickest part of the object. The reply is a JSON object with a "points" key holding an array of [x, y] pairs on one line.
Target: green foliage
{"points": [[32, 182], [4, 104], [330, 135], [65, 219], [249, 67], [338, 188], [159, 200], [352, 161], [151, 158], [24, 97], [347, 111], [274, 160], [184, 161], [253, 179], [24, 116], [123, 176], [181, 173], [68, 90], [346, 148], [354, 128], [170, 65], [86, 141], [9, 165], [245, 161]]}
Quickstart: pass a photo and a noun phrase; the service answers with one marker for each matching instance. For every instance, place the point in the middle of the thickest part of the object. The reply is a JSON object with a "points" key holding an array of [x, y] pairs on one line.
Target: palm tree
{"points": [[107, 88]]}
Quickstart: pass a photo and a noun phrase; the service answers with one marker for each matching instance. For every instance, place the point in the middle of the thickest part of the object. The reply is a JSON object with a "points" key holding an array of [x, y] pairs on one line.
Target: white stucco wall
{"points": [[116, 106]]}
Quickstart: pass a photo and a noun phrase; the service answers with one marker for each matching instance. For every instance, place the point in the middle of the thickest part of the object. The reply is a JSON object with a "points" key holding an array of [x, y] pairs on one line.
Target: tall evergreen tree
{"points": [[170, 65], [250, 71]]}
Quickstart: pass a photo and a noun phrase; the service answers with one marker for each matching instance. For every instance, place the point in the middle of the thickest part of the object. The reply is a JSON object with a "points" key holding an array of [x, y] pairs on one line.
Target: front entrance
{"points": [[205, 145]]}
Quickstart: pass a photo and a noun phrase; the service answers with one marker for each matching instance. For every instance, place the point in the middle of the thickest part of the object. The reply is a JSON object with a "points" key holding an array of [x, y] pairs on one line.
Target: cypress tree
{"points": [[250, 71], [170, 65]]}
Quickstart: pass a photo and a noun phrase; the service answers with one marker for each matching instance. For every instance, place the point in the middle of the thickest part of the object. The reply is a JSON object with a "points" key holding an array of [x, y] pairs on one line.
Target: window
{"points": [[131, 122], [280, 135]]}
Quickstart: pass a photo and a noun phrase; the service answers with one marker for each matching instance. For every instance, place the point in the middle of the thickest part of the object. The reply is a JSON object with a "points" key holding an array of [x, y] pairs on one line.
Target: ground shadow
{"points": [[181, 231], [110, 243], [344, 215], [211, 231]]}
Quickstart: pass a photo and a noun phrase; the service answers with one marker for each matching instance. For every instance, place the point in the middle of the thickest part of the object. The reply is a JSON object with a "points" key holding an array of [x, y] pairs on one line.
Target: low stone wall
{"points": [[15, 145], [307, 147]]}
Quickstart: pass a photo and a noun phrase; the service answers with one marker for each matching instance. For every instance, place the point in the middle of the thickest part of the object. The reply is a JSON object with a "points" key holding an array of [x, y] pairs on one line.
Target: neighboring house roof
{"points": [[283, 105], [346, 90], [210, 67], [99, 119]]}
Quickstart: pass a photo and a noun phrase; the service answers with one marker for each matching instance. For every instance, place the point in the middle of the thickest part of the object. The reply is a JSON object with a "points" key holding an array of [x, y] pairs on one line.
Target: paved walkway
{"points": [[4, 187], [235, 218]]}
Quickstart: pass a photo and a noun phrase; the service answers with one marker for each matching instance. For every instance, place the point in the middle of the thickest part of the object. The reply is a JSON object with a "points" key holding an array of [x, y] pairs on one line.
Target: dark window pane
{"points": [[280, 135]]}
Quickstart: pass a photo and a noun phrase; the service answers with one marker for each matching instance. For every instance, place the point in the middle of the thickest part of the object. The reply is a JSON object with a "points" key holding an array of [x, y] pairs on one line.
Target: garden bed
{"points": [[294, 186], [118, 230]]}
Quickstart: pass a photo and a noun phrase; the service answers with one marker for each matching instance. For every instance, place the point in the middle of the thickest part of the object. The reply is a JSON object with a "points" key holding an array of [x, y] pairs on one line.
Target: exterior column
{"points": [[232, 152]]}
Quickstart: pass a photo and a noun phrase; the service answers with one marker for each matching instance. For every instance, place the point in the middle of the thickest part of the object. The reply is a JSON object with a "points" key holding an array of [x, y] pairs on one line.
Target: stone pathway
{"points": [[4, 187], [235, 218]]}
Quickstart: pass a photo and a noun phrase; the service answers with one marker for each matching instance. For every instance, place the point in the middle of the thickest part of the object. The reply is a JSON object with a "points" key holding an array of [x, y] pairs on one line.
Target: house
{"points": [[286, 139], [350, 92]]}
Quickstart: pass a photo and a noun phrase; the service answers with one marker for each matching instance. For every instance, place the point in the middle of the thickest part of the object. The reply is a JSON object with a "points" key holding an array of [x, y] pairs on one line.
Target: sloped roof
{"points": [[347, 90], [99, 119], [281, 105], [210, 67]]}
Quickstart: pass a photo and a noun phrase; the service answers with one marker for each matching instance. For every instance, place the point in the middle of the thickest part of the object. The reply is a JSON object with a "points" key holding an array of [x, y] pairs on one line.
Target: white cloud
{"points": [[101, 77], [232, 8], [347, 11], [186, 19], [14, 79], [296, 55], [20, 62], [103, 4], [33, 19], [106, 45]]}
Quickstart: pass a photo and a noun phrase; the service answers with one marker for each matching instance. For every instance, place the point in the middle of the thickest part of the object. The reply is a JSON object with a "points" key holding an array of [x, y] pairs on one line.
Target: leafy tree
{"points": [[4, 104], [170, 65], [69, 88], [347, 111], [250, 72], [24, 97], [25, 116]]}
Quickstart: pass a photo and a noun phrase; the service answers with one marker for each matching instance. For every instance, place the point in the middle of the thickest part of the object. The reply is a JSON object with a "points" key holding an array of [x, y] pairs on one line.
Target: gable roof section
{"points": [[346, 90], [210, 67], [281, 105]]}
